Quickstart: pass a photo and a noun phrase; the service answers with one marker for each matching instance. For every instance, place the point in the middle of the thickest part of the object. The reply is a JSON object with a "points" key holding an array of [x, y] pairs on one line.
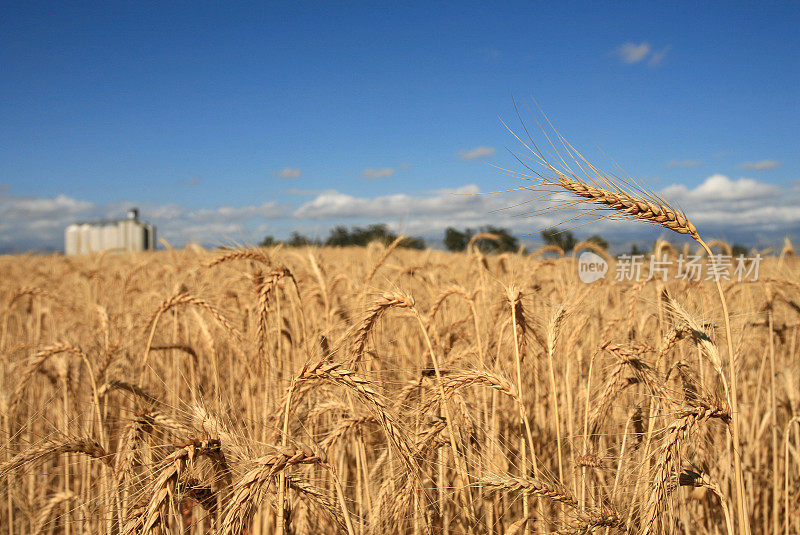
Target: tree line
{"points": [[500, 241], [487, 239], [341, 236]]}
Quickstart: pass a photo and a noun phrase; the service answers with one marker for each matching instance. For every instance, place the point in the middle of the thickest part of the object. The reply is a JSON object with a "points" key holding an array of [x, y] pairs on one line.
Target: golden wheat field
{"points": [[383, 390]]}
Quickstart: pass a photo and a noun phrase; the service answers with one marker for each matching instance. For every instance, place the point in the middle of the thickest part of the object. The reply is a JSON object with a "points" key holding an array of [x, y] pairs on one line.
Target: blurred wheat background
{"points": [[382, 390]]}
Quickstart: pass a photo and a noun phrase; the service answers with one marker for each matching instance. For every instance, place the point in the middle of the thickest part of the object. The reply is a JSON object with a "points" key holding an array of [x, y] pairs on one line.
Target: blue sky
{"points": [[227, 122]]}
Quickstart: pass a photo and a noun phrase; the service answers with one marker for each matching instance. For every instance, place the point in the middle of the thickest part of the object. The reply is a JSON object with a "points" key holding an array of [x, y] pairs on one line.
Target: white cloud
{"points": [[334, 204], [761, 165], [61, 206], [657, 57], [39, 220], [469, 189], [685, 163], [477, 152], [239, 214], [633, 53], [738, 207], [465, 206], [377, 173], [720, 187], [289, 172], [221, 225]]}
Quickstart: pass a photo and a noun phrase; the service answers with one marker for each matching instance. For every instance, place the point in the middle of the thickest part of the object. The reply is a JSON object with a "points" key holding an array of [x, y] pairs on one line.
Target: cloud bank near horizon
{"points": [[742, 209]]}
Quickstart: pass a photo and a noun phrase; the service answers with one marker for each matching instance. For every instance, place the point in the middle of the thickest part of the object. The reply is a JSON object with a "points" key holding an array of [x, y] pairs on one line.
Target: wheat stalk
{"points": [[617, 199], [43, 518]]}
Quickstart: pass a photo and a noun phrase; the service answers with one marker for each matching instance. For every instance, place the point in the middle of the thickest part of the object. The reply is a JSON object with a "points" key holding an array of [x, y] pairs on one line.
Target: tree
{"points": [[298, 240], [738, 250], [377, 232], [598, 240], [338, 237], [505, 242], [413, 243], [342, 237], [563, 239], [268, 241], [636, 251], [455, 240]]}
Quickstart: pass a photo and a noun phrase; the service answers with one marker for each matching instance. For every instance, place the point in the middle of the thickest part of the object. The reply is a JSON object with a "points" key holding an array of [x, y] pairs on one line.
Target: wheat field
{"points": [[384, 390]]}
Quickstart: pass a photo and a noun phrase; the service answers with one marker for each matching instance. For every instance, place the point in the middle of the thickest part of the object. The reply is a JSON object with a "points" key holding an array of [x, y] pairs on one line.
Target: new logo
{"points": [[591, 267]]}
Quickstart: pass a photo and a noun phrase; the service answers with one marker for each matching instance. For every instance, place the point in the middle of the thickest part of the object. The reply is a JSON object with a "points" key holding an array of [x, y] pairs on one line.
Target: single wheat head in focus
{"points": [[598, 193]]}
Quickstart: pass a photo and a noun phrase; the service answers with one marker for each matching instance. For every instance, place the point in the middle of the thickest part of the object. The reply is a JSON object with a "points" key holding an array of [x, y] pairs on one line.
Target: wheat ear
{"points": [[250, 490], [650, 209], [386, 252], [527, 486], [381, 305], [335, 373], [163, 488], [183, 299], [79, 445], [240, 254], [677, 433], [33, 364], [265, 287]]}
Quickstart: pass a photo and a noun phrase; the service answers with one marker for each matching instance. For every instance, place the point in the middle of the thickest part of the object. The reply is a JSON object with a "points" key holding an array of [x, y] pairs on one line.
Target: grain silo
{"points": [[124, 235]]}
